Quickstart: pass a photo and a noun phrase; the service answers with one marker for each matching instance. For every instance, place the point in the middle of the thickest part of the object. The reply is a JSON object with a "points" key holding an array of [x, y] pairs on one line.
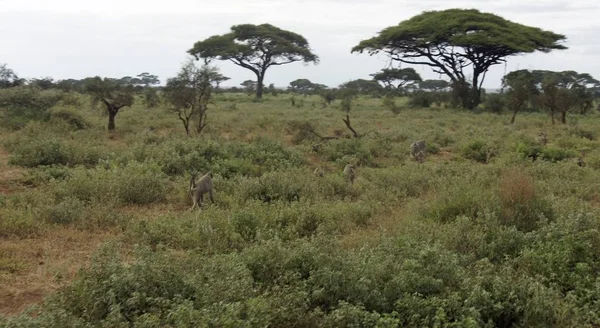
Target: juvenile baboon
{"points": [[418, 151], [542, 138], [350, 173], [199, 187], [319, 172]]}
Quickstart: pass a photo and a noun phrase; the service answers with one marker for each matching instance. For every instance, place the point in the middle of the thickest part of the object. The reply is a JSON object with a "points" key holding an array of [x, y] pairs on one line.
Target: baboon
{"points": [[580, 162], [199, 188], [350, 173], [542, 138], [418, 151], [319, 172]]}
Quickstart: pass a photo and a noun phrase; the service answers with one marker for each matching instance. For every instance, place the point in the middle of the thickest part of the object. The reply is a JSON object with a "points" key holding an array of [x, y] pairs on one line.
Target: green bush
{"points": [[47, 151], [494, 102], [581, 133], [478, 150], [420, 99], [135, 183], [68, 211], [554, 154], [20, 105], [33, 152], [74, 120]]}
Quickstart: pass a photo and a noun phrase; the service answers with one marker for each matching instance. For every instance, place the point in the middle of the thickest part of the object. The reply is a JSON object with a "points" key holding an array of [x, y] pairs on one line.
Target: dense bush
{"points": [[20, 105], [34, 152], [74, 119], [478, 150], [135, 183], [421, 99], [494, 102]]}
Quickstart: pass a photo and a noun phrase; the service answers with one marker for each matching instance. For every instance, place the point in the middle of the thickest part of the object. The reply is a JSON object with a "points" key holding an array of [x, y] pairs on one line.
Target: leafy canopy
{"points": [[451, 40], [396, 77], [110, 91], [255, 47], [485, 38]]}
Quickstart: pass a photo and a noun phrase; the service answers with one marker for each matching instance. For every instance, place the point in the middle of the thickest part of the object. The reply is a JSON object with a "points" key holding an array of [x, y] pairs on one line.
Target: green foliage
{"points": [[74, 119], [389, 103], [420, 99], [396, 78], [135, 183], [478, 150], [494, 102], [444, 38], [446, 242], [33, 152], [20, 105], [554, 154], [246, 43]]}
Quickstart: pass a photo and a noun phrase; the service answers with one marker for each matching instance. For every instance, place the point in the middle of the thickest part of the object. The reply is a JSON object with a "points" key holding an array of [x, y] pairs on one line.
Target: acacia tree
{"points": [[396, 78], [450, 41], [434, 85], [113, 94], [249, 86], [521, 88], [564, 91], [190, 92], [362, 86], [256, 48], [302, 86], [147, 80]]}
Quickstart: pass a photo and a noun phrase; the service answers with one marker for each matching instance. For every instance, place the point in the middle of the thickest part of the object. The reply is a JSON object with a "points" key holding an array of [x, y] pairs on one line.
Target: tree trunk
{"points": [[201, 119], [111, 120], [259, 84], [563, 117], [512, 119], [475, 93], [552, 115]]}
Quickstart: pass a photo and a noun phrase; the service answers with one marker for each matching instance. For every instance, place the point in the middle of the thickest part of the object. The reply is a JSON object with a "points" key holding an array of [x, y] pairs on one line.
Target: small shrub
{"points": [[554, 154], [275, 186], [33, 152], [72, 118], [246, 225], [389, 103], [420, 99], [68, 211], [581, 133], [19, 105], [301, 130], [478, 150], [494, 102]]}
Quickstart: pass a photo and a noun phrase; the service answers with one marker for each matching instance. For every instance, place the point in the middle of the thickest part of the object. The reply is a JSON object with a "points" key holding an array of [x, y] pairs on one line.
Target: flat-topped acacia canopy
{"points": [[256, 47], [451, 40]]}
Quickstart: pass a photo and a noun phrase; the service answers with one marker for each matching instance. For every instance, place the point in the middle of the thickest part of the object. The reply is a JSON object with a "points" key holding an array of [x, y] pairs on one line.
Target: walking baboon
{"points": [[542, 138], [350, 173], [319, 172], [418, 151], [199, 188]]}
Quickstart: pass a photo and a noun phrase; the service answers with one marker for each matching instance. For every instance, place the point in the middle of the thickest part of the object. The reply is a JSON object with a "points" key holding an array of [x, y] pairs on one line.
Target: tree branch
{"points": [[347, 122]]}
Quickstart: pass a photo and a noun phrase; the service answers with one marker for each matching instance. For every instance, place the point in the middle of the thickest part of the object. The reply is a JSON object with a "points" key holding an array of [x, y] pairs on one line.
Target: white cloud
{"points": [[74, 38]]}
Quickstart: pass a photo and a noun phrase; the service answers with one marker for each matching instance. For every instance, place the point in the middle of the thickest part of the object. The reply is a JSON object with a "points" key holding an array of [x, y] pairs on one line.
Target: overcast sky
{"points": [[115, 38]]}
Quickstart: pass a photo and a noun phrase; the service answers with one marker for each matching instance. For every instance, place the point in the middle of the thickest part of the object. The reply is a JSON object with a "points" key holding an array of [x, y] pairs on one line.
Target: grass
{"points": [[478, 234]]}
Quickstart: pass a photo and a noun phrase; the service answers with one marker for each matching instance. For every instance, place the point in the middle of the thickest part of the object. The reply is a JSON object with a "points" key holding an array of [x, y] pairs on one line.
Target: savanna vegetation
{"points": [[495, 225]]}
